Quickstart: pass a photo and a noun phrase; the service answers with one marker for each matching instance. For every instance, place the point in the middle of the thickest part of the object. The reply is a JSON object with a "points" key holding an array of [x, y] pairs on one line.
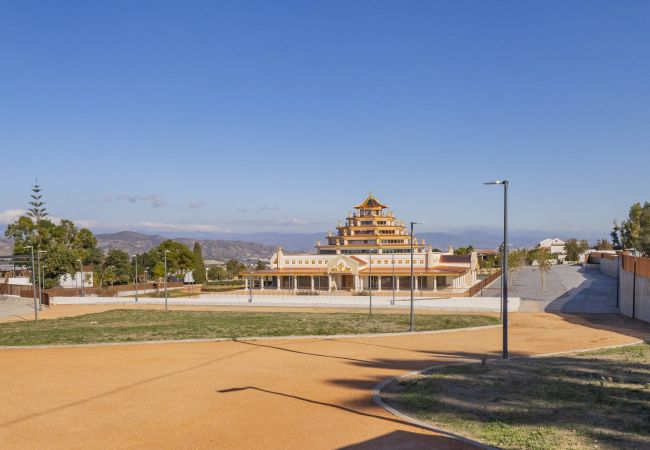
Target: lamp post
{"points": [[31, 247], [411, 321], [165, 253], [370, 280], [40, 287], [392, 302], [250, 289], [43, 279], [81, 270], [504, 265], [136, 277]]}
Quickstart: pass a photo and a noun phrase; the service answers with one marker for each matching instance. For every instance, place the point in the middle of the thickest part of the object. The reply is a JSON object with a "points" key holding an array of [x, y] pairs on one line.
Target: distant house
{"points": [[70, 281], [554, 245]]}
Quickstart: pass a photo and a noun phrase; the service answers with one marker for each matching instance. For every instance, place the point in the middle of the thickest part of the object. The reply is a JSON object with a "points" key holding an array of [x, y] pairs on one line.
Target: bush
{"points": [[307, 293], [226, 283]]}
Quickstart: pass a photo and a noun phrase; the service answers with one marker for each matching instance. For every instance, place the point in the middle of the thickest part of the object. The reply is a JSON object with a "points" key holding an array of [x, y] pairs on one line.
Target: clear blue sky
{"points": [[279, 116]]}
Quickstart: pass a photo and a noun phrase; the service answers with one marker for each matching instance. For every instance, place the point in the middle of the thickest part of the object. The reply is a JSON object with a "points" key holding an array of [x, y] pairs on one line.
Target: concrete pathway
{"points": [[16, 308], [567, 289], [273, 394]]}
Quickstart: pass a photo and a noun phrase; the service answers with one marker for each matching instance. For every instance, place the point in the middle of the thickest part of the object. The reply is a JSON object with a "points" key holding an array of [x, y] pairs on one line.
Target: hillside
{"points": [[219, 249]]}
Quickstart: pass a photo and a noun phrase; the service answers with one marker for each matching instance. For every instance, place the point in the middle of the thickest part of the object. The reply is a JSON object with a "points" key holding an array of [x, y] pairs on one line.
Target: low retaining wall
{"points": [[633, 283], [609, 266], [467, 304], [634, 296]]}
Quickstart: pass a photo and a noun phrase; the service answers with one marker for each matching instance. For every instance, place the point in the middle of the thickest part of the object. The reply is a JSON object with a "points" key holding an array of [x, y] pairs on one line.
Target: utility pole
{"points": [[136, 277], [370, 280], [31, 247]]}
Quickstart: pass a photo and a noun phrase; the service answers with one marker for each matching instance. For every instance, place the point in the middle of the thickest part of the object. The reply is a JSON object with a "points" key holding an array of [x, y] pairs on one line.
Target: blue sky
{"points": [[279, 116]]}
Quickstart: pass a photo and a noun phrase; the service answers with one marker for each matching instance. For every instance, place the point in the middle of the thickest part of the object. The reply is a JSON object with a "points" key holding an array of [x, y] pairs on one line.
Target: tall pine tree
{"points": [[199, 265], [37, 210]]}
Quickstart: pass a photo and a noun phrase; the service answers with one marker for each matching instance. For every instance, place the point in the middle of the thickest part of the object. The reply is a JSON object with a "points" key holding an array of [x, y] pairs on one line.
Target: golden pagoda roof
{"points": [[371, 203]]}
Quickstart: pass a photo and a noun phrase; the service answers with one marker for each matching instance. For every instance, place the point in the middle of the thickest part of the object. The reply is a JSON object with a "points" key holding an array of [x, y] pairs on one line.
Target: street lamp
{"points": [[165, 253], [370, 280], [411, 322], [40, 287], [81, 269], [504, 265], [136, 277], [31, 247], [392, 302]]}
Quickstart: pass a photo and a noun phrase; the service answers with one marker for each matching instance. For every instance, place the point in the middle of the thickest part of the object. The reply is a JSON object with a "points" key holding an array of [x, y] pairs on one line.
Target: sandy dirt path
{"points": [[273, 394]]}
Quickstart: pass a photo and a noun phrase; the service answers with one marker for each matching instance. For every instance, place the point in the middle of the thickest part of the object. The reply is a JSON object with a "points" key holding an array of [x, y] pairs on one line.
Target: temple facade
{"points": [[370, 250]]}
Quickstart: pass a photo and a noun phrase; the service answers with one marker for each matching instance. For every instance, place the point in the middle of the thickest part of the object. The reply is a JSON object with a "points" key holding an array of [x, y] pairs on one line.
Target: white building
{"points": [[74, 281]]}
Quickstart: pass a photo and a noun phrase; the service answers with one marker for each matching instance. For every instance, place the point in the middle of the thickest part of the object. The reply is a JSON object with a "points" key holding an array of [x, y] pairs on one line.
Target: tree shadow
{"points": [[605, 400], [407, 440], [395, 439], [616, 323]]}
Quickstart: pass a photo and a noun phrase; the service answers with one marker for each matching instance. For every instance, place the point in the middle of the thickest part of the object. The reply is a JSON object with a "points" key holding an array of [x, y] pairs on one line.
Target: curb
{"points": [[376, 392], [243, 339]]}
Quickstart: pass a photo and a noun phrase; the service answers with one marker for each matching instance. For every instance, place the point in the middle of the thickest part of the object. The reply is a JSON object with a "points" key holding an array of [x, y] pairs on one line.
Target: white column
{"points": [[312, 282], [246, 283], [415, 282], [435, 283], [262, 283], [329, 283], [278, 282], [396, 283], [295, 282], [378, 283]]}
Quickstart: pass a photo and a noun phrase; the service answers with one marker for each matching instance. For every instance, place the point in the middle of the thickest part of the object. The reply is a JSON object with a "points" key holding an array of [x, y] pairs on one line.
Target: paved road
{"points": [[568, 289], [272, 394], [16, 309]]}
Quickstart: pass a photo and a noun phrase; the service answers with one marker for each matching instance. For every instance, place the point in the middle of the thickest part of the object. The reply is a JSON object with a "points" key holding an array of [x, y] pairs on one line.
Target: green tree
{"points": [[574, 248], [120, 263], [544, 260], [64, 244], [464, 250], [199, 265], [261, 265], [217, 273], [37, 210], [634, 233], [179, 258], [603, 244], [234, 268]]}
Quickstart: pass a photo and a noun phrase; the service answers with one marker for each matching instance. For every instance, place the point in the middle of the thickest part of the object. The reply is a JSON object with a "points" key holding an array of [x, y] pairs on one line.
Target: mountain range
{"points": [[254, 246], [217, 249]]}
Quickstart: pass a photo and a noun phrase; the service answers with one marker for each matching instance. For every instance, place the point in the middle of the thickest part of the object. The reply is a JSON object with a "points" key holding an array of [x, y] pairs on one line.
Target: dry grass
{"points": [[595, 400]]}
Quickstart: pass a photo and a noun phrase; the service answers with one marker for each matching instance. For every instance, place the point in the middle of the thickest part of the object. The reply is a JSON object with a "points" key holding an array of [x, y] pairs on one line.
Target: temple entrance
{"points": [[347, 282]]}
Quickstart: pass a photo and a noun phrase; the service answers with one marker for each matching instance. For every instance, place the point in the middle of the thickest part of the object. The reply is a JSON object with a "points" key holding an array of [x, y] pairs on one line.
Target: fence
{"points": [[634, 287], [12, 289], [108, 291], [478, 287]]}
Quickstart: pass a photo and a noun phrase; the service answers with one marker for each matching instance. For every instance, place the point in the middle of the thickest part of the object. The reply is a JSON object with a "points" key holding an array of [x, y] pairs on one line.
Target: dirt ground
{"points": [[288, 394]]}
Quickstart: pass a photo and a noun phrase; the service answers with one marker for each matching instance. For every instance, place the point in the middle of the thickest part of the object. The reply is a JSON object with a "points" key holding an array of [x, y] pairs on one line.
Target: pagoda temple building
{"points": [[371, 249]]}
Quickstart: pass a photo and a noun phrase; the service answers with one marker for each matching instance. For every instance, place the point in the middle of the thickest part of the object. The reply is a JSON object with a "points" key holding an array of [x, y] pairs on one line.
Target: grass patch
{"points": [[599, 399], [123, 325]]}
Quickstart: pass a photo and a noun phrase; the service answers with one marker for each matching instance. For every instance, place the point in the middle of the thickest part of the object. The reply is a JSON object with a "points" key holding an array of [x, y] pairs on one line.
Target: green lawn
{"points": [[596, 400], [123, 325]]}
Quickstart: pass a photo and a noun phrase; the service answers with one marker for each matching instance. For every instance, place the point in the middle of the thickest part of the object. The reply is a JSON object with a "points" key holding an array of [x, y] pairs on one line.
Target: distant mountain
{"points": [[478, 238], [218, 249]]}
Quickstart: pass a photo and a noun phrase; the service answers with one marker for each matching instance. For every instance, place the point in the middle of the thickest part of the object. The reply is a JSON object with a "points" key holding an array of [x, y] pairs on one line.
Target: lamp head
{"points": [[496, 182]]}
